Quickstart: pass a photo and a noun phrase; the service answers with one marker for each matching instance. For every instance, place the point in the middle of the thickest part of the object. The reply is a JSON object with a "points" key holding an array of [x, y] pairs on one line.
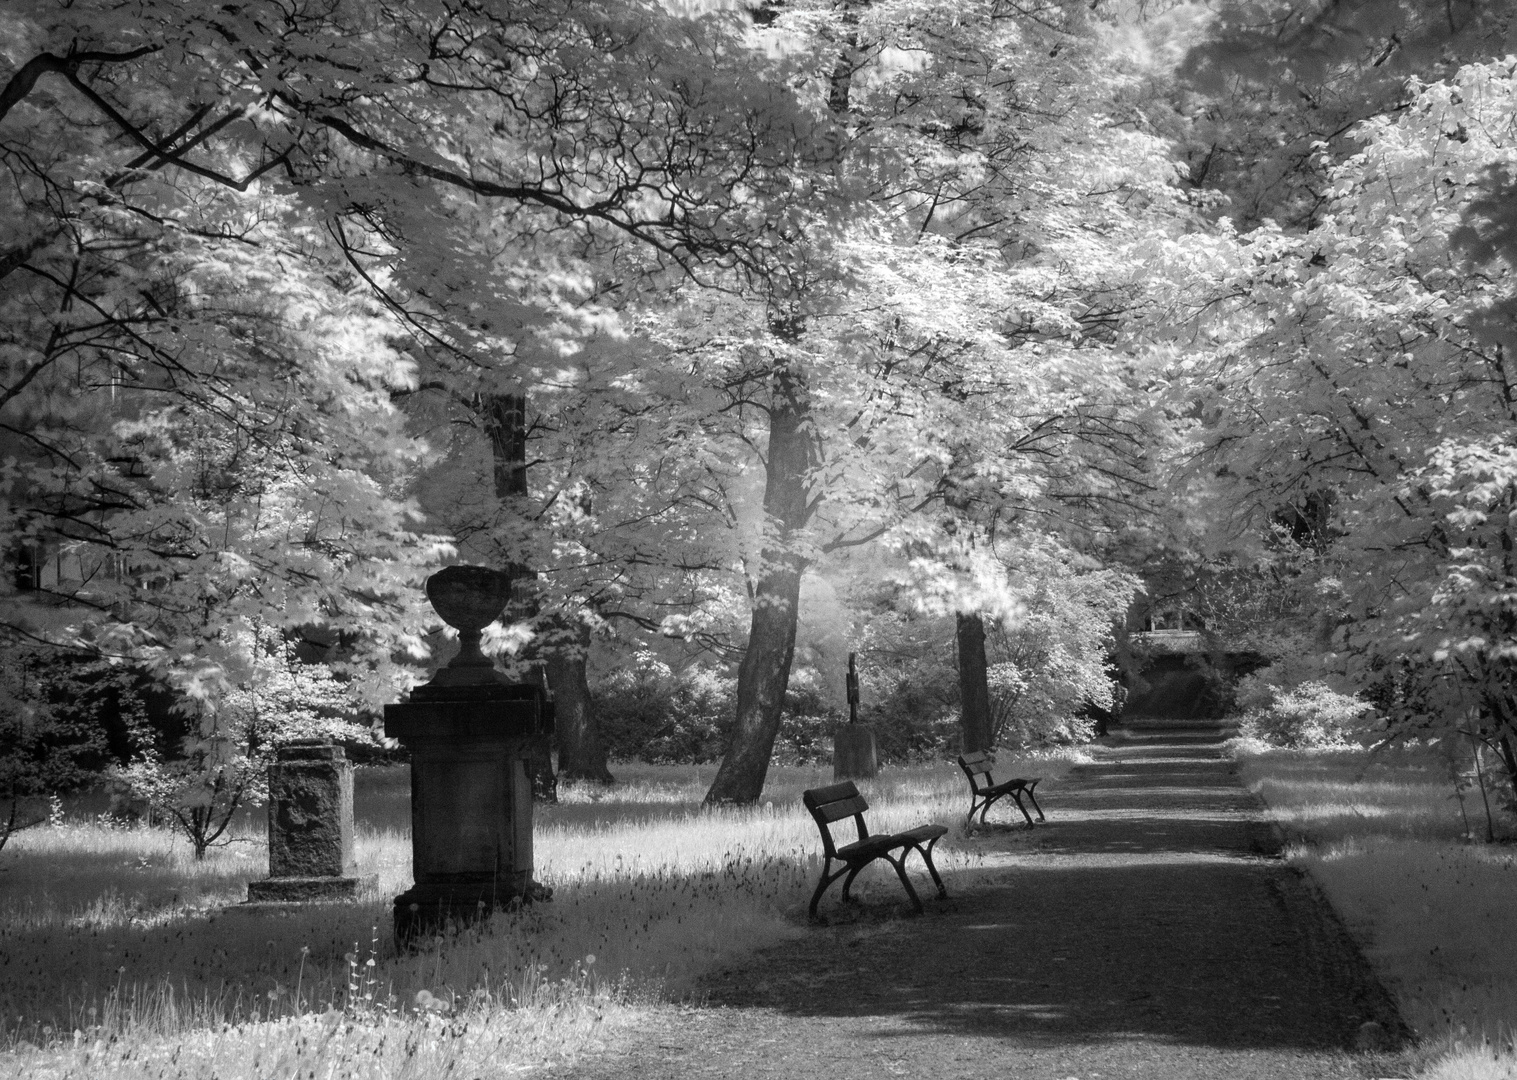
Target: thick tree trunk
{"points": [[505, 417], [974, 685], [765, 671], [581, 754]]}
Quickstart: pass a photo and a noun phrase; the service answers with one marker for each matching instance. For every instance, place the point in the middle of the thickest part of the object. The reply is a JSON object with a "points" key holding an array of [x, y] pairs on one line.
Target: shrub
{"points": [[807, 722], [1310, 716], [649, 712]]}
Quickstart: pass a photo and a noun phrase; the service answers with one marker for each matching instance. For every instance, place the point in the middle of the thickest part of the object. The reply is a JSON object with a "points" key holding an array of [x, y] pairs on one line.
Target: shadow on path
{"points": [[1148, 929]]}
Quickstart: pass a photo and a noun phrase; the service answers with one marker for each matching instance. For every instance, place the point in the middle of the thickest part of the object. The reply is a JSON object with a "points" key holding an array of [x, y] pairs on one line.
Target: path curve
{"points": [[1150, 929]]}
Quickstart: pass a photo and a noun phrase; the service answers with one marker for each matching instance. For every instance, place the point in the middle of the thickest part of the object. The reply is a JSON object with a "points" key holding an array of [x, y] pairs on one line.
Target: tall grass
{"points": [[119, 954], [1396, 848]]}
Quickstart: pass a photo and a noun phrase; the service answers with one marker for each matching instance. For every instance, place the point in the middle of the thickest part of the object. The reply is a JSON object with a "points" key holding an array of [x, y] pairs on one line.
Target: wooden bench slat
{"points": [[1011, 785], [836, 811], [870, 844], [923, 833], [831, 793], [979, 757]]}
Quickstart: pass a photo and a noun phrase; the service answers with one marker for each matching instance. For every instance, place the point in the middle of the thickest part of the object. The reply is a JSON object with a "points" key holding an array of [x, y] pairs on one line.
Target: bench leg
{"points": [[821, 886], [1017, 795], [848, 881], [926, 853], [1034, 799], [900, 872]]}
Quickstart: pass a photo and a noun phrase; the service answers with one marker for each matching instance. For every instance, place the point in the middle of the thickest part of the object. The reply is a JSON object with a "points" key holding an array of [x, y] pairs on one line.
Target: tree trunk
{"points": [[765, 671], [505, 417], [581, 755], [974, 684], [1509, 759]]}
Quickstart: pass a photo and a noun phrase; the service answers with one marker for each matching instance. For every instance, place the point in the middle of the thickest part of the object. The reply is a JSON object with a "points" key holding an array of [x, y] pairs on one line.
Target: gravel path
{"points": [[1147, 930]]}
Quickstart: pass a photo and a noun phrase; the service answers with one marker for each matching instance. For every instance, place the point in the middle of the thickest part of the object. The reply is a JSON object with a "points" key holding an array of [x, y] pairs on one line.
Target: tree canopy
{"points": [[672, 309]]}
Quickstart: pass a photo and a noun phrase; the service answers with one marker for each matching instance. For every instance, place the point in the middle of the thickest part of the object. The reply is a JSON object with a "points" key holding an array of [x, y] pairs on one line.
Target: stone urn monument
{"points": [[469, 732]]}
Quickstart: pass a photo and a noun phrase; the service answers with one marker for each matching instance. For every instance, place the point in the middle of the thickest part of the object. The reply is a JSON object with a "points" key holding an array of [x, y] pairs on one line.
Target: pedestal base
{"points": [[430, 909], [286, 890], [853, 753]]}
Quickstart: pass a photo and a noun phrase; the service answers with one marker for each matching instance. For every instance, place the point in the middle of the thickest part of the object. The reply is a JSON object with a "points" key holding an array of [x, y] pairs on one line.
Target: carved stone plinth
{"points": [[310, 827]]}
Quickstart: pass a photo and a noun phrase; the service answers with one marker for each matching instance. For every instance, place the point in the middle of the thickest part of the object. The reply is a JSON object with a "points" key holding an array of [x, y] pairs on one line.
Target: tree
{"points": [[1270, 93], [1051, 667], [213, 321], [958, 289], [49, 738], [223, 763], [1355, 360], [194, 406]]}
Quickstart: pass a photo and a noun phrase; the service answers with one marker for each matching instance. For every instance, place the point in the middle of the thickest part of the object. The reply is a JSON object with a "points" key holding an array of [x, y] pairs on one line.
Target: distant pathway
{"points": [[1148, 930]]}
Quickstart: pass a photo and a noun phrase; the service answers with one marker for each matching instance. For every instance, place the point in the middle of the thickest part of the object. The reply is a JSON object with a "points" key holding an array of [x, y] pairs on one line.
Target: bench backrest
{"points": [[976, 765], [833, 803]]}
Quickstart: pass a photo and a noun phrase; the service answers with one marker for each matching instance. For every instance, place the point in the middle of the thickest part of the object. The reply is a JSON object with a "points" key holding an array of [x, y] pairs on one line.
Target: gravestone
{"points": [[854, 756], [470, 733], [310, 827]]}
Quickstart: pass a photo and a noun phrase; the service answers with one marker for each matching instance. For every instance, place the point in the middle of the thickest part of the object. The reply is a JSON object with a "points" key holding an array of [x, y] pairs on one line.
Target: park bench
{"points": [[984, 795], [837, 801]]}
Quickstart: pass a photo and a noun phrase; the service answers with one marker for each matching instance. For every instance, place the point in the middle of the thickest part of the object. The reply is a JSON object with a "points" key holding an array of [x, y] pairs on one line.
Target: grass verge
{"points": [[1397, 849], [120, 956]]}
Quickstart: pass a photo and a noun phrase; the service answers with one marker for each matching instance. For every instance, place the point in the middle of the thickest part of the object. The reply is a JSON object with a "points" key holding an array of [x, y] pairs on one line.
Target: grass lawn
{"points": [[119, 955], [1402, 857]]}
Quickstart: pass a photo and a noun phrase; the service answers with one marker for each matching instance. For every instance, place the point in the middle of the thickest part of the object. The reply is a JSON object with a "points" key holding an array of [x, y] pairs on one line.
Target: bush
{"points": [[649, 712], [807, 722], [1310, 716]]}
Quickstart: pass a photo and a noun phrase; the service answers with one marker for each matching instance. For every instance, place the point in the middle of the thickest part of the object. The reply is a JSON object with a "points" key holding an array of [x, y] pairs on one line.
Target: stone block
{"points": [[310, 812], [854, 756], [308, 889], [310, 827]]}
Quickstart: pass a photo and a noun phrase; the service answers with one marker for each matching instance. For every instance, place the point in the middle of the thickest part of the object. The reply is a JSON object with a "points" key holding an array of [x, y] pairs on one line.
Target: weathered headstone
{"points": [[854, 756], [470, 733], [310, 827]]}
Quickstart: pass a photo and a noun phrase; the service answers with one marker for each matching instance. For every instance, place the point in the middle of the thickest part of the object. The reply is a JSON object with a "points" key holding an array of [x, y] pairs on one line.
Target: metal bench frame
{"points": [[983, 796], [837, 801]]}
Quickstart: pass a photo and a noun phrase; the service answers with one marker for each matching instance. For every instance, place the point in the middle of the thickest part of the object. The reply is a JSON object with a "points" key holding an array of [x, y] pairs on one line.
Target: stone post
{"points": [[310, 827], [470, 734]]}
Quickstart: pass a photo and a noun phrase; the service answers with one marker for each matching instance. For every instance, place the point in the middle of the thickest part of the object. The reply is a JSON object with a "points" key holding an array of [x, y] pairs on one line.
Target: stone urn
{"points": [[469, 598]]}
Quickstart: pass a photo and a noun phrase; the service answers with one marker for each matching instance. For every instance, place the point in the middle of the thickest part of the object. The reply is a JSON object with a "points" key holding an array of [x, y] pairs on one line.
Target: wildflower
{"points": [[589, 960], [426, 1001]]}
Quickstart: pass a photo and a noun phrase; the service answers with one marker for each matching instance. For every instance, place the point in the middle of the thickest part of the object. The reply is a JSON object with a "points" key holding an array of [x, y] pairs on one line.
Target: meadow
{"points": [[1400, 843], [119, 953]]}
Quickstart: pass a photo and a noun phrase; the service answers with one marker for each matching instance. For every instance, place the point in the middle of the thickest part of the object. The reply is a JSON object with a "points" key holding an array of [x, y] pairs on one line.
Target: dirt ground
{"points": [[1149, 929]]}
